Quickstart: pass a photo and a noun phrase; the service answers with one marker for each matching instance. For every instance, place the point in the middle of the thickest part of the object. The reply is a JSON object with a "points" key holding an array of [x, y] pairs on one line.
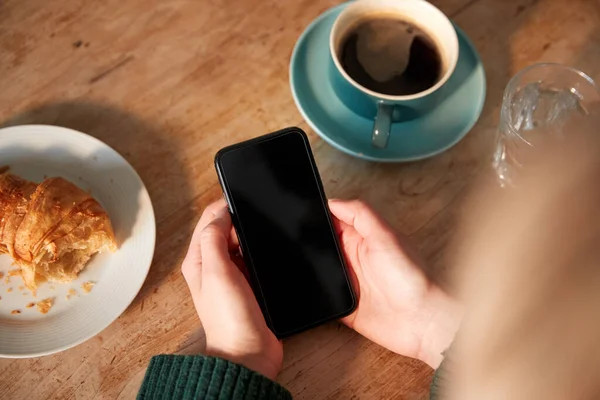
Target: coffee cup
{"points": [[389, 60]]}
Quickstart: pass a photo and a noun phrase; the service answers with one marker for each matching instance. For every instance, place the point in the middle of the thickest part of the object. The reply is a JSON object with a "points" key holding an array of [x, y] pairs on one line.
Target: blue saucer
{"points": [[438, 130]]}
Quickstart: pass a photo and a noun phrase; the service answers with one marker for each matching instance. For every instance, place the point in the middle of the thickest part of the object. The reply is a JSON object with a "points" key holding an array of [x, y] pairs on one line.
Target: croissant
{"points": [[51, 230]]}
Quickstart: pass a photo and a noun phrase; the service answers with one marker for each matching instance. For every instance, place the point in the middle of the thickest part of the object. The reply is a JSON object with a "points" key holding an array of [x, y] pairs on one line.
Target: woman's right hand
{"points": [[398, 307]]}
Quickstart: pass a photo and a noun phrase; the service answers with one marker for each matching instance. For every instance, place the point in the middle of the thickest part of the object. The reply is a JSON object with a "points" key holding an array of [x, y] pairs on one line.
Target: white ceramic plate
{"points": [[36, 151]]}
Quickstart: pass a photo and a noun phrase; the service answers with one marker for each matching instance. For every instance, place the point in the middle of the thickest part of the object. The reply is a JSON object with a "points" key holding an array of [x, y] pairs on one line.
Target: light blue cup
{"points": [[386, 109]]}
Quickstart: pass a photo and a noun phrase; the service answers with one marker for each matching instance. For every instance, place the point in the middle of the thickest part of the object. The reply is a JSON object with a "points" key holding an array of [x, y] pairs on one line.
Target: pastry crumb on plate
{"points": [[87, 286], [45, 305]]}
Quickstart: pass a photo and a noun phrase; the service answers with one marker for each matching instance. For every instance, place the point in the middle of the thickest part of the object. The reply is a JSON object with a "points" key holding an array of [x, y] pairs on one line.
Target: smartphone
{"points": [[286, 234]]}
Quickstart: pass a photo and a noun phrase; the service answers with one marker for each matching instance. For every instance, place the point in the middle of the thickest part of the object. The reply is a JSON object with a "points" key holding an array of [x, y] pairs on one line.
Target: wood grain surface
{"points": [[167, 83]]}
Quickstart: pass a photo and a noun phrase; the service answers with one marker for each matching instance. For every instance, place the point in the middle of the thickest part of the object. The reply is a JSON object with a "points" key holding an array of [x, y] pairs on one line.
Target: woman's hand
{"points": [[398, 307], [233, 322]]}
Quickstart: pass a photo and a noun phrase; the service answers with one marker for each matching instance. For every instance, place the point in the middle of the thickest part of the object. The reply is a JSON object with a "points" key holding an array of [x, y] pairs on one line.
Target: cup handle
{"points": [[382, 125]]}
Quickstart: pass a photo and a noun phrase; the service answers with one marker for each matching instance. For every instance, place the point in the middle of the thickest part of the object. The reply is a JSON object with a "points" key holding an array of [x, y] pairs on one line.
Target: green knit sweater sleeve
{"points": [[200, 377]]}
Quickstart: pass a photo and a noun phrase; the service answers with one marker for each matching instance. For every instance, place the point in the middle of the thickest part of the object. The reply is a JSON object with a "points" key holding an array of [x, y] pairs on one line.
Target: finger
{"points": [[355, 283], [234, 243], [345, 233], [359, 215], [339, 226], [241, 265]]}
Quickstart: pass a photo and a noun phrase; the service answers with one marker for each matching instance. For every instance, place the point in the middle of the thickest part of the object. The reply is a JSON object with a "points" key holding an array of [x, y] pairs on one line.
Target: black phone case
{"points": [[243, 244]]}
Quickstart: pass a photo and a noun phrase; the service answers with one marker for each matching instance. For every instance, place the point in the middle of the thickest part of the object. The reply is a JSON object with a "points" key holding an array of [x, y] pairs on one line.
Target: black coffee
{"points": [[391, 56]]}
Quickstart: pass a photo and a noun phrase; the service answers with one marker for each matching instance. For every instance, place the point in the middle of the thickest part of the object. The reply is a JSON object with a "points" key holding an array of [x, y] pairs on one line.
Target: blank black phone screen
{"points": [[289, 244]]}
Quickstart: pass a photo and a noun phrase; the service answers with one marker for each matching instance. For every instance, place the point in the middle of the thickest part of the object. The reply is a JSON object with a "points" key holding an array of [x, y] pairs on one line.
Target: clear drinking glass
{"points": [[538, 102]]}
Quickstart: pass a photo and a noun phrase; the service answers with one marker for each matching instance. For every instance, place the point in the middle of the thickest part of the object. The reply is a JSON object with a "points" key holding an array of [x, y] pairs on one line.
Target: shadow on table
{"points": [[150, 150]]}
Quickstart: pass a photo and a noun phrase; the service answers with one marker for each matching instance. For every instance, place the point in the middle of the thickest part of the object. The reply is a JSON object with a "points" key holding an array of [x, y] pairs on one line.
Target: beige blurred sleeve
{"points": [[530, 275]]}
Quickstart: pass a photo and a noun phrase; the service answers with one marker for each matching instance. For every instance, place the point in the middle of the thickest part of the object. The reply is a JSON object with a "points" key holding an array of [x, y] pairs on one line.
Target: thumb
{"points": [[214, 244], [365, 221]]}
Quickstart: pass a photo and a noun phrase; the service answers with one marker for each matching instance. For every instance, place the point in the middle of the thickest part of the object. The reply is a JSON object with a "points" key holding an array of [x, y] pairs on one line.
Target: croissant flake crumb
{"points": [[29, 305], [14, 272], [45, 305], [1, 274], [87, 286], [21, 288], [15, 312], [72, 292], [9, 290]]}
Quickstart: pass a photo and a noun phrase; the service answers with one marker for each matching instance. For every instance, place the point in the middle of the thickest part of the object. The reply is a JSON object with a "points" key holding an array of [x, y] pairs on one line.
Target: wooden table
{"points": [[167, 83]]}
